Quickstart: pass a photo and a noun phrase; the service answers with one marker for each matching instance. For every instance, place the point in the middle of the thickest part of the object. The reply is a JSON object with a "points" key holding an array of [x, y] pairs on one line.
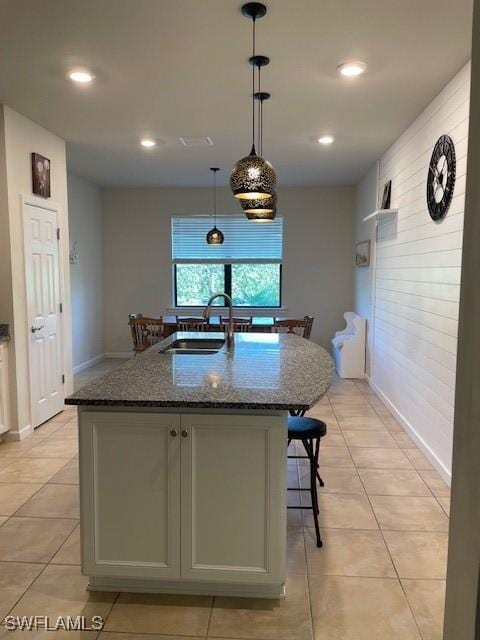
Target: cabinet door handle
{"points": [[184, 433], [173, 433]]}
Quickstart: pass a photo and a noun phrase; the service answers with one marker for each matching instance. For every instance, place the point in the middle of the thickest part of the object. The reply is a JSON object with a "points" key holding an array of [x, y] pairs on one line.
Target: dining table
{"points": [[261, 324]]}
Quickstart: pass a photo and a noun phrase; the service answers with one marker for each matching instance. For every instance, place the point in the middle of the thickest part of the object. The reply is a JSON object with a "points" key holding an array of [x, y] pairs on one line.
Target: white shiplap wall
{"points": [[417, 278]]}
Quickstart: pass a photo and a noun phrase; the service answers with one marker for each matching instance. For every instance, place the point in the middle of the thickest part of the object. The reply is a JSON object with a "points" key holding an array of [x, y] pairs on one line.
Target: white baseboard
{"points": [[419, 441], [14, 436], [88, 363], [99, 358], [119, 354]]}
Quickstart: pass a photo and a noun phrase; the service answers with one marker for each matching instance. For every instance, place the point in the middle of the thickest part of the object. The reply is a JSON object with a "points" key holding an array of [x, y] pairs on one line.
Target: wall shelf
{"points": [[378, 213]]}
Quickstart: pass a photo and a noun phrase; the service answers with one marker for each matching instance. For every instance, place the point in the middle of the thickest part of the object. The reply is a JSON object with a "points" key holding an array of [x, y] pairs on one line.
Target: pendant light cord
{"points": [[214, 198], [260, 115], [261, 127], [253, 89], [214, 171], [259, 143]]}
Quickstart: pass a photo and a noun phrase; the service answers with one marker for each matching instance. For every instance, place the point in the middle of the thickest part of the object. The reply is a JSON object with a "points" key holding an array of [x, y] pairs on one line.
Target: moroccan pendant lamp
{"points": [[214, 236], [260, 210], [253, 178]]}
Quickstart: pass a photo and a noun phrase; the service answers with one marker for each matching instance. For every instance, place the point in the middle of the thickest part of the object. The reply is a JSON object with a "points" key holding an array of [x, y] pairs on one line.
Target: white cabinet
{"points": [[233, 508], [4, 420], [194, 499], [130, 494]]}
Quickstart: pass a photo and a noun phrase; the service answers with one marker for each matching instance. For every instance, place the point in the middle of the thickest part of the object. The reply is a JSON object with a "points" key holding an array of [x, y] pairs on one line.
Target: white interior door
{"points": [[43, 308]]}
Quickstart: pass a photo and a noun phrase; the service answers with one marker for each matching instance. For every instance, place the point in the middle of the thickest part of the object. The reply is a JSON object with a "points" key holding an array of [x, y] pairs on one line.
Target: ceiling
{"points": [[179, 68]]}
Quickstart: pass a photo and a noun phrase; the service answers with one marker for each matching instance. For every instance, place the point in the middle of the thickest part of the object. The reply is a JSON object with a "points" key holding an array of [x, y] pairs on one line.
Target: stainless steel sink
{"points": [[193, 346]]}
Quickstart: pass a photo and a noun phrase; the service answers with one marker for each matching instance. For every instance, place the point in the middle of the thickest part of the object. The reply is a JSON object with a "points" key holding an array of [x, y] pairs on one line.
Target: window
{"points": [[256, 285], [195, 283], [247, 266], [248, 284]]}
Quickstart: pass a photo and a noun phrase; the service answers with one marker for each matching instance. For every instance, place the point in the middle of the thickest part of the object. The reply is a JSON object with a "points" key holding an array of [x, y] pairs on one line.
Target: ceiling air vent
{"points": [[197, 142]]}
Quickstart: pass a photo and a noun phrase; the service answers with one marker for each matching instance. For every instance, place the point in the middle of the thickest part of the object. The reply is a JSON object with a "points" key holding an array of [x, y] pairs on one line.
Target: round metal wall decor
{"points": [[441, 178]]}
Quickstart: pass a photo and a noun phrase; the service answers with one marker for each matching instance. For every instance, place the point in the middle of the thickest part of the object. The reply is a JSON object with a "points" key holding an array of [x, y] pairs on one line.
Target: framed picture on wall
{"points": [[362, 254], [40, 175]]}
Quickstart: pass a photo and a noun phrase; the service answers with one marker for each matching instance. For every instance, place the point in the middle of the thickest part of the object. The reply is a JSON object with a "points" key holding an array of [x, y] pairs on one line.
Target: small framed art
{"points": [[40, 175], [362, 254]]}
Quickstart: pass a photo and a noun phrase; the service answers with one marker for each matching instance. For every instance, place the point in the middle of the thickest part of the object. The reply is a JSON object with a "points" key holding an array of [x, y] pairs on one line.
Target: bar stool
{"points": [[309, 431]]}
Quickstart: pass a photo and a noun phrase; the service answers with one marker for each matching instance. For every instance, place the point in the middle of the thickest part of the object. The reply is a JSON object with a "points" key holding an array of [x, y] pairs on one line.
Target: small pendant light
{"points": [[252, 177], [260, 210], [214, 236]]}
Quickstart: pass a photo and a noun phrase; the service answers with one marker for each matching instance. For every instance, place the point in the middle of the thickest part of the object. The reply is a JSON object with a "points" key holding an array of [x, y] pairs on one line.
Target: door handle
{"points": [[33, 329], [184, 433], [173, 433]]}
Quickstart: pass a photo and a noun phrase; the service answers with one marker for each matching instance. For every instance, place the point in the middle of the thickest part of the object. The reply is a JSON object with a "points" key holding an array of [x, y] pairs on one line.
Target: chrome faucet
{"points": [[228, 300]]}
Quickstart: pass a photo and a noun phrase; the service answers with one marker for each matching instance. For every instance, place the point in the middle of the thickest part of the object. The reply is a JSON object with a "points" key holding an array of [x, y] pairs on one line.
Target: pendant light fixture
{"points": [[214, 236], [260, 210], [253, 178]]}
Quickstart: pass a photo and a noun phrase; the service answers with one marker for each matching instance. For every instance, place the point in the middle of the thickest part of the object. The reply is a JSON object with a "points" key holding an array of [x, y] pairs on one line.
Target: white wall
{"points": [[86, 277], [317, 272], [417, 277], [6, 295], [22, 136], [364, 276], [462, 607]]}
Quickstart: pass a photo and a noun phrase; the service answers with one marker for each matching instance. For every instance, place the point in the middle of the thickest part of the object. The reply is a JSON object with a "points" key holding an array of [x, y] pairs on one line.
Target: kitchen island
{"points": [[183, 463]]}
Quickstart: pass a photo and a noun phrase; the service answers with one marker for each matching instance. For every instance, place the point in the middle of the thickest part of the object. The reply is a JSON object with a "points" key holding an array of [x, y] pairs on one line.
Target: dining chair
{"points": [[145, 331], [302, 328], [240, 325], [192, 324]]}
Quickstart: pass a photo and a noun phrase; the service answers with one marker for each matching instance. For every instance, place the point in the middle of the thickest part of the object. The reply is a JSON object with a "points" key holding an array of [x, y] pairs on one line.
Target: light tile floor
{"points": [[96, 371], [379, 576]]}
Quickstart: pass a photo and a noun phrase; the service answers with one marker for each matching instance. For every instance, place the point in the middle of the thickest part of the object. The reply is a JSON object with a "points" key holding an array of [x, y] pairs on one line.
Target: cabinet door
{"points": [[130, 494], [234, 498]]}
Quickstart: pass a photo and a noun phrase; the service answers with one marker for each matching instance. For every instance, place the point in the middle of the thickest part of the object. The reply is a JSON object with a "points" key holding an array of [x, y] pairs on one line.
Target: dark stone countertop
{"points": [[261, 371], [4, 333]]}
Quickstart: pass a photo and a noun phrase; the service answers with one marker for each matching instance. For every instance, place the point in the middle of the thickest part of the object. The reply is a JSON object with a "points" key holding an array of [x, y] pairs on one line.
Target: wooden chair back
{"points": [[145, 331], [240, 325], [299, 327], [192, 324]]}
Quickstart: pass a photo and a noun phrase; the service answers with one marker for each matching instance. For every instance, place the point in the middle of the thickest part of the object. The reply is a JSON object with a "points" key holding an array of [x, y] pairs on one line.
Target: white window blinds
{"points": [[244, 240]]}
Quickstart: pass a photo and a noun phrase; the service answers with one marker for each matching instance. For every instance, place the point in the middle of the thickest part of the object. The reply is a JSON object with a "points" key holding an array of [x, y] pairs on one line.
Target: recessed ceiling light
{"points": [[81, 76], [352, 69], [148, 143], [326, 140]]}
